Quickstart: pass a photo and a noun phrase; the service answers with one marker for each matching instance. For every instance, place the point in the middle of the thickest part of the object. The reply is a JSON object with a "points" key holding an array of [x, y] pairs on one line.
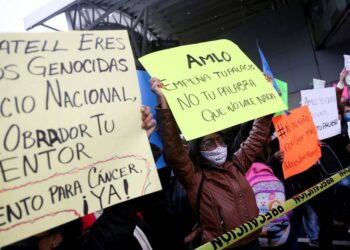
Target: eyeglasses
{"points": [[211, 143]]}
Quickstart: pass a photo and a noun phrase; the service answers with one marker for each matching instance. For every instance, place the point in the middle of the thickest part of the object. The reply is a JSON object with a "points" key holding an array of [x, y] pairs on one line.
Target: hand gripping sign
{"points": [[70, 129], [213, 85]]}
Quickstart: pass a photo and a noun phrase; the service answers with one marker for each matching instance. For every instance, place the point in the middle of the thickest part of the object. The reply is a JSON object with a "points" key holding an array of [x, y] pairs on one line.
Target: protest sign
{"points": [[298, 140], [283, 87], [150, 99], [70, 129], [323, 107], [318, 84], [211, 86]]}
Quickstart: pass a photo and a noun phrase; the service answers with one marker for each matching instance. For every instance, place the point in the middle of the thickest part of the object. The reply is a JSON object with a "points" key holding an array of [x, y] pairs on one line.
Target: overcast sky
{"points": [[12, 13]]}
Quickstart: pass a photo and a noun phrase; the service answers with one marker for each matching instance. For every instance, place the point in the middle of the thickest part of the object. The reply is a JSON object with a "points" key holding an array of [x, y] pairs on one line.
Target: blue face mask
{"points": [[347, 117]]}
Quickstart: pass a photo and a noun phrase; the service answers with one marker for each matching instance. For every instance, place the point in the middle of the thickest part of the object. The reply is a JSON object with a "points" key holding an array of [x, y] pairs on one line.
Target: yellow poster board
{"points": [[71, 141], [211, 86]]}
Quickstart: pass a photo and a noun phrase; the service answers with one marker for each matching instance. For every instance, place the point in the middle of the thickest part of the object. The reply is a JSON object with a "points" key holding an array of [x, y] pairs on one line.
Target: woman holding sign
{"points": [[213, 178]]}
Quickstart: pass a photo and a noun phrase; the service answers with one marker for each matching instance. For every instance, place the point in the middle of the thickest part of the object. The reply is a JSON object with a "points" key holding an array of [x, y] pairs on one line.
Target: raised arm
{"points": [[175, 154], [148, 122], [341, 84], [255, 142]]}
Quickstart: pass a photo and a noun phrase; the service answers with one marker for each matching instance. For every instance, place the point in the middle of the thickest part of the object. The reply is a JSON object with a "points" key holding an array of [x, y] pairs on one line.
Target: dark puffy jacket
{"points": [[226, 200]]}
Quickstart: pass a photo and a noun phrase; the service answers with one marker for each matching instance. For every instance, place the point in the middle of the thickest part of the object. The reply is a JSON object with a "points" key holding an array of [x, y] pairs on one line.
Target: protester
{"points": [[180, 207], [310, 223], [215, 183], [322, 204], [341, 142], [341, 146], [212, 170]]}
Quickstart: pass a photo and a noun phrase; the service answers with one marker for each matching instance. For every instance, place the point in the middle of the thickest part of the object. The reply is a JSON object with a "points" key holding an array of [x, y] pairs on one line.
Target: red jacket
{"points": [[226, 200]]}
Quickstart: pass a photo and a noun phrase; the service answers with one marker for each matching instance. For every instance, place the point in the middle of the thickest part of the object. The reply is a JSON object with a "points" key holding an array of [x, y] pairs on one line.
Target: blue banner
{"points": [[267, 70], [150, 99]]}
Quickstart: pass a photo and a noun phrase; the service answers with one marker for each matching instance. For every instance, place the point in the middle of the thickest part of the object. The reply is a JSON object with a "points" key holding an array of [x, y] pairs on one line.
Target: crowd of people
{"points": [[205, 191]]}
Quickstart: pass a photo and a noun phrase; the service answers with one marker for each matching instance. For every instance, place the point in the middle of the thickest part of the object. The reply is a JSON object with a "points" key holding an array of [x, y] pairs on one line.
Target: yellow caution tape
{"points": [[249, 227]]}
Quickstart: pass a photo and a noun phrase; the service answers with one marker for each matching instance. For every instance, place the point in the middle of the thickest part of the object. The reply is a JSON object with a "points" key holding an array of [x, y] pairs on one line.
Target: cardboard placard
{"points": [[211, 86], [70, 129], [323, 107], [298, 140]]}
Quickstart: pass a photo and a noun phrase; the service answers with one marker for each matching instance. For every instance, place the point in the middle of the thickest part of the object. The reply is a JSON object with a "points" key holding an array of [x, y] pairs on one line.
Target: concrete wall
{"points": [[285, 38]]}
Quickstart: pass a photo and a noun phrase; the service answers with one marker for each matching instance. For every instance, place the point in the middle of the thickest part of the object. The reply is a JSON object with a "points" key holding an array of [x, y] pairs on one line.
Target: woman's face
{"points": [[211, 142]]}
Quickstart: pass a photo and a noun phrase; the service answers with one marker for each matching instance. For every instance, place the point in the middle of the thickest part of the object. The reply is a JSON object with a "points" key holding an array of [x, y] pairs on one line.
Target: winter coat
{"points": [[226, 199]]}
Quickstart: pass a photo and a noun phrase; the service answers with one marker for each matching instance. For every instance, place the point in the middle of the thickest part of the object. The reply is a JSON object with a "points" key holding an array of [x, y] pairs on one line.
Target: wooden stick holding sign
{"points": [[211, 86], [71, 140]]}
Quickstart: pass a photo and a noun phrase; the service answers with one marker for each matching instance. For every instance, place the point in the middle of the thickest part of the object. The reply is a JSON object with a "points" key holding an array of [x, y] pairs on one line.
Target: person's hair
{"points": [[236, 135], [194, 151]]}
